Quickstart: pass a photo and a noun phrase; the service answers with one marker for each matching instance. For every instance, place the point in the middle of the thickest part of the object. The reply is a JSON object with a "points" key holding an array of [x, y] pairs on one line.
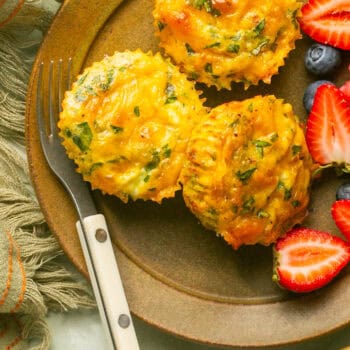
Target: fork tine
{"points": [[63, 84], [52, 104], [39, 105], [69, 74], [60, 84]]}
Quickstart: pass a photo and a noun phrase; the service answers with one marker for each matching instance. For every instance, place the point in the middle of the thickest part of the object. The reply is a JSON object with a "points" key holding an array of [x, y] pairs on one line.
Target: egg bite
{"points": [[217, 42], [248, 171], [126, 123]]}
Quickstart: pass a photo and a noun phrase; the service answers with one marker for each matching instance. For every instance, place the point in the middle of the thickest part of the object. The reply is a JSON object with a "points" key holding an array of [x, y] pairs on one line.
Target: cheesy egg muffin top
{"points": [[217, 42], [126, 123], [248, 171]]}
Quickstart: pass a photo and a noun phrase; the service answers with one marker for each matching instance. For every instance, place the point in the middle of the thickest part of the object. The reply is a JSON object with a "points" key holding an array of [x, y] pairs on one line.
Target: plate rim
{"points": [[142, 305]]}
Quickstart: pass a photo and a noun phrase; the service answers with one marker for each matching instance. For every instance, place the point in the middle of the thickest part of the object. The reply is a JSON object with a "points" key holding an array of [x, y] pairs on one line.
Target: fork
{"points": [[91, 226]]}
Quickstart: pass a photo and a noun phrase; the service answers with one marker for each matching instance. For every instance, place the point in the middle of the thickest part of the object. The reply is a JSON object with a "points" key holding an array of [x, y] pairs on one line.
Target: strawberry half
{"points": [[327, 21], [341, 214], [307, 259], [328, 128], [345, 89]]}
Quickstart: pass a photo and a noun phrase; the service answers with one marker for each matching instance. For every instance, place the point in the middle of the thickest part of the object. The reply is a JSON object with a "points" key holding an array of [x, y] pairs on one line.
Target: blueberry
{"points": [[310, 92], [343, 191], [322, 59]]}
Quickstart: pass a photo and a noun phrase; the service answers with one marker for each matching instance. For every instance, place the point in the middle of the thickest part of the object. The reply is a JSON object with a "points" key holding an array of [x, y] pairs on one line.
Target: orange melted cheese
{"points": [[220, 41], [248, 171], [126, 123]]}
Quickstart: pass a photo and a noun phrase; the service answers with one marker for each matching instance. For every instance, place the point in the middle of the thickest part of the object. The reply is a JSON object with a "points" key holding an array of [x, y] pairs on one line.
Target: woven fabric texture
{"points": [[33, 279]]}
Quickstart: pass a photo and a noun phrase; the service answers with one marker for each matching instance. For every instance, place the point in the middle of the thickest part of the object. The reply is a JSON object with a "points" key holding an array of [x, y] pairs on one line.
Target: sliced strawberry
{"points": [[341, 215], [328, 127], [327, 21], [345, 89], [307, 259]]}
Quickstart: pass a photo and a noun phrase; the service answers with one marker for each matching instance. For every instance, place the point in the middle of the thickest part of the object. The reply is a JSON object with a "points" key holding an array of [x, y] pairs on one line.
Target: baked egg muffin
{"points": [[248, 171], [126, 123], [217, 42]]}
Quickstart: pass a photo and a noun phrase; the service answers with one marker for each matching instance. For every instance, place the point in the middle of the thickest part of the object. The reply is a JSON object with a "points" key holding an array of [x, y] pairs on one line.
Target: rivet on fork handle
{"points": [[101, 235]]}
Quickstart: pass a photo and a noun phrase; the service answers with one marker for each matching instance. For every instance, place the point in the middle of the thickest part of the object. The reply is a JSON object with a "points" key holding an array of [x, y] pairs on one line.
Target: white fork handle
{"points": [[106, 282]]}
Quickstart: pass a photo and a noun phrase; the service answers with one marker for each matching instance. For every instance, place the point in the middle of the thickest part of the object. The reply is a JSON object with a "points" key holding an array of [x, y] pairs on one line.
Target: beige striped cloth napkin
{"points": [[32, 277]]}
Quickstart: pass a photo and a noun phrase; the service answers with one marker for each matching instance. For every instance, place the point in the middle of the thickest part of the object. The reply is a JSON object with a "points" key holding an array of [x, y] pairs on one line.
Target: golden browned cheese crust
{"points": [[222, 41], [126, 123], [248, 171]]}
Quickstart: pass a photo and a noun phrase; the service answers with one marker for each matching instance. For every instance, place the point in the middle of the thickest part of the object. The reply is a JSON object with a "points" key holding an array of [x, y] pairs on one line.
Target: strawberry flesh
{"points": [[307, 259], [328, 127], [341, 215], [345, 89], [327, 21]]}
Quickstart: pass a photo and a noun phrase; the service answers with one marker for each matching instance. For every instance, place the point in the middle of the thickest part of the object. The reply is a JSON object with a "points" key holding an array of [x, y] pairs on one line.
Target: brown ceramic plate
{"points": [[178, 276]]}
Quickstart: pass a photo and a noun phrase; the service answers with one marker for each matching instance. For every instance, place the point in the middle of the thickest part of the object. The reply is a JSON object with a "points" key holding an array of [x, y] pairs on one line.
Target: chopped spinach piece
{"points": [[67, 132], [208, 68], [260, 145], [274, 137], [234, 48], [246, 175], [259, 27], [234, 123], [161, 25], [215, 12], [137, 111], [296, 203], [198, 4], [82, 79], [287, 191], [79, 95], [166, 151], [117, 129], [193, 76], [207, 5], [236, 37], [109, 79], [117, 160], [189, 49], [280, 185], [296, 149], [154, 162], [212, 211], [83, 92], [170, 99], [170, 93], [248, 205], [82, 136], [216, 44], [96, 79], [90, 90], [287, 194], [293, 15], [94, 167], [262, 213]]}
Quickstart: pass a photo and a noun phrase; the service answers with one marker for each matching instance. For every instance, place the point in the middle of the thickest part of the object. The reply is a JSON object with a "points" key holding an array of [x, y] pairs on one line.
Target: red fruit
{"points": [[327, 21], [328, 127], [345, 89], [307, 259], [341, 214]]}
